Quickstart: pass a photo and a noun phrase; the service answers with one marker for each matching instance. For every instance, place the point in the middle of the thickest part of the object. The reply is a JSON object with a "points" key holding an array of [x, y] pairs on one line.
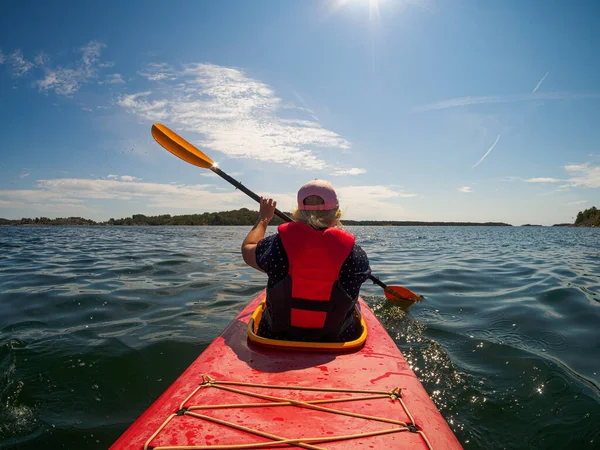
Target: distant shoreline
{"points": [[350, 223], [244, 217]]}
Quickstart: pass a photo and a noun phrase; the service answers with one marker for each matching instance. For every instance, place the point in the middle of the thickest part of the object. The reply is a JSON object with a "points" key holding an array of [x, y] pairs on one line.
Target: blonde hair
{"points": [[319, 219]]}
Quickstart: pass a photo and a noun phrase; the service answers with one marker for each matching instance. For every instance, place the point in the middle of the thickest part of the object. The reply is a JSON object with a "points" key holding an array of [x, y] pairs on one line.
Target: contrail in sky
{"points": [[488, 152], [483, 100], [540, 83]]}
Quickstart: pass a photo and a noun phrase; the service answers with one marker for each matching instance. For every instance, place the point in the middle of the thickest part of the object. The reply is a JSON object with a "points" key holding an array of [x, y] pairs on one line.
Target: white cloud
{"points": [[236, 115], [77, 196], [41, 59], [376, 192], [122, 177], [374, 202], [578, 202], [487, 153], [154, 111], [584, 175], [66, 81], [20, 66], [24, 175], [78, 191], [352, 171], [54, 209], [539, 83], [113, 78], [580, 175], [465, 189], [2, 57], [158, 72], [543, 180]]}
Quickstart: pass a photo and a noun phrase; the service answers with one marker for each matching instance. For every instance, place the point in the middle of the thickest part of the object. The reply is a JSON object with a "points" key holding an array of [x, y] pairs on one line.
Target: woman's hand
{"points": [[265, 214], [267, 209]]}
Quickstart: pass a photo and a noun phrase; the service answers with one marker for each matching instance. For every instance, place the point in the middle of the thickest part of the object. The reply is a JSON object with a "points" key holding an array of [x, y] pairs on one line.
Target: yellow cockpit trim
{"points": [[300, 345]]}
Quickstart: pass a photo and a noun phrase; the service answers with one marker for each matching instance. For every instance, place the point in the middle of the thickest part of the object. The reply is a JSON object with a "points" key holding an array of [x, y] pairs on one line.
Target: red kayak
{"points": [[242, 393]]}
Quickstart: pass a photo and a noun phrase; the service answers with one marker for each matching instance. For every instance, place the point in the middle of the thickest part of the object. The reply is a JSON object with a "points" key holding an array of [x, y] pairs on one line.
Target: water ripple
{"points": [[96, 322]]}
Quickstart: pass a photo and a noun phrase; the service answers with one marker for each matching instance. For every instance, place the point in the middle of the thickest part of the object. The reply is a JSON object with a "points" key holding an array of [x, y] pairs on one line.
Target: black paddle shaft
{"points": [[247, 191], [278, 213]]}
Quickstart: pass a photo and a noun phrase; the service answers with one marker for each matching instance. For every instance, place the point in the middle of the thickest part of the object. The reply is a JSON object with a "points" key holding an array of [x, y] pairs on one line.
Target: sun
{"points": [[372, 4]]}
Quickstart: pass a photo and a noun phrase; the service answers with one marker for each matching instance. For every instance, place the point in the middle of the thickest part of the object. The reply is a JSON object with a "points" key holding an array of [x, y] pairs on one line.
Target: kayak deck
{"points": [[240, 395]]}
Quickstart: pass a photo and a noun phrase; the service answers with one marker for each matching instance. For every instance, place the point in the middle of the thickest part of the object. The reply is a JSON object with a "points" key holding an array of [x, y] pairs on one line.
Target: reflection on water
{"points": [[96, 322]]}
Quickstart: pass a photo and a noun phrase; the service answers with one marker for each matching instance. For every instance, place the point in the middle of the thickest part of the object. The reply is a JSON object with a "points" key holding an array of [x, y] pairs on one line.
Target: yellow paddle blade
{"points": [[180, 147]]}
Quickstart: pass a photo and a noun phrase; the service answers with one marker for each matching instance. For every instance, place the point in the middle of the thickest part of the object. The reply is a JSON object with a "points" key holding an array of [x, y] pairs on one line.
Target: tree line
{"points": [[242, 216], [588, 218]]}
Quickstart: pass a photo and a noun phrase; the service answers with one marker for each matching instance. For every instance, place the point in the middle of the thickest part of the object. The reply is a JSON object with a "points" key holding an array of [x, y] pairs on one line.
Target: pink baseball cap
{"points": [[320, 188]]}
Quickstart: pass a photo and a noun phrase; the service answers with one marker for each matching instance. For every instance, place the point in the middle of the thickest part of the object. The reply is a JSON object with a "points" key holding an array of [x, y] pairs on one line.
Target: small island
{"points": [[588, 218]]}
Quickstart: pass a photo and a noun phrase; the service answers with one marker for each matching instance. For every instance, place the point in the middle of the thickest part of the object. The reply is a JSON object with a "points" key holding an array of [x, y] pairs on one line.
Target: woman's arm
{"points": [[265, 214]]}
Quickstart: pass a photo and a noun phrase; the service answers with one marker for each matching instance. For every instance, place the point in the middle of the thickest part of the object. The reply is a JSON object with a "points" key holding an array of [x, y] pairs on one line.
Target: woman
{"points": [[315, 269]]}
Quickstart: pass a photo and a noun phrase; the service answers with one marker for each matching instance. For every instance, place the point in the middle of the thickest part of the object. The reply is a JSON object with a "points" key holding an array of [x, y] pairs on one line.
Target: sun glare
{"points": [[373, 6]]}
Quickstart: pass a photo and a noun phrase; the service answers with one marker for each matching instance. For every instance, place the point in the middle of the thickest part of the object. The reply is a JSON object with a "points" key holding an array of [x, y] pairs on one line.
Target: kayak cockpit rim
{"points": [[330, 347]]}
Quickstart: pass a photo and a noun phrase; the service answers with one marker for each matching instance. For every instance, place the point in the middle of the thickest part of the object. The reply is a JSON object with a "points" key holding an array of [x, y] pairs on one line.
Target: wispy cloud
{"points": [[113, 78], [468, 101], [352, 171], [236, 115], [465, 189], [20, 65], [381, 200], [543, 180], [585, 175], [84, 196], [2, 57], [24, 175], [41, 59], [68, 80], [487, 153], [580, 175], [78, 191], [539, 83], [158, 72], [122, 177], [129, 178], [578, 202]]}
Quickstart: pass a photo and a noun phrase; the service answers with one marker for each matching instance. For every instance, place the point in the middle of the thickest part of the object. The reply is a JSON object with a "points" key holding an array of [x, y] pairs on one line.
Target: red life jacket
{"points": [[310, 303]]}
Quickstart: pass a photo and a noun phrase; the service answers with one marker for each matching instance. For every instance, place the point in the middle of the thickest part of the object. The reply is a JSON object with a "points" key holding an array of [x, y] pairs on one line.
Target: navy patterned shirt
{"points": [[272, 258]]}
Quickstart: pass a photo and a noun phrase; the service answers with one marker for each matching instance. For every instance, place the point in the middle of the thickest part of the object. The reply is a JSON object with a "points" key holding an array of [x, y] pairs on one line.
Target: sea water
{"points": [[96, 322]]}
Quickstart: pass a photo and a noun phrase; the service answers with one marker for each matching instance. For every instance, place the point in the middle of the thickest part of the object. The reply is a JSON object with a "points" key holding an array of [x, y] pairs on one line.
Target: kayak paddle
{"points": [[181, 148]]}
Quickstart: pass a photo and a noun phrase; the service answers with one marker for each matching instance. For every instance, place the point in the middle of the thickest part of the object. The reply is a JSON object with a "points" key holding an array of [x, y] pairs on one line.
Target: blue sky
{"points": [[414, 110]]}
